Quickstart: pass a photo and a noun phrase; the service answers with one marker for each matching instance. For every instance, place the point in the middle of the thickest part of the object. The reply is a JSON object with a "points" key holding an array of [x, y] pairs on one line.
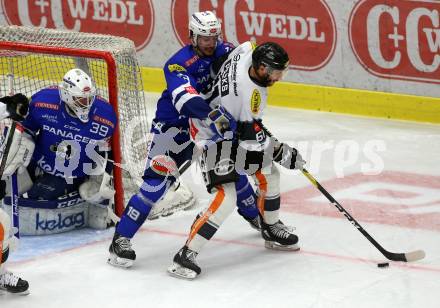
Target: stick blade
{"points": [[415, 255]]}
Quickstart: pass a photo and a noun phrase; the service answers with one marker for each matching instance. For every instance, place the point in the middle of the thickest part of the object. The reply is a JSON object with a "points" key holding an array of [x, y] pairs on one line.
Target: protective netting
{"points": [[45, 55]]}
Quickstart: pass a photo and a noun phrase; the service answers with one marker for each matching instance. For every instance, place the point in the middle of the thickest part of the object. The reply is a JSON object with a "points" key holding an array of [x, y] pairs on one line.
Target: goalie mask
{"points": [[78, 92], [204, 31]]}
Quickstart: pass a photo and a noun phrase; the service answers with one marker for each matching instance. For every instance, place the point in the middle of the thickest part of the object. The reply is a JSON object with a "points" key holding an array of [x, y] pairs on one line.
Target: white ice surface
{"points": [[336, 266]]}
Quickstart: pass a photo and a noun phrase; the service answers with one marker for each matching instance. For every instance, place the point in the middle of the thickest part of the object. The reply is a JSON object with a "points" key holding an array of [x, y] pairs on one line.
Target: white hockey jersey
{"points": [[235, 91]]}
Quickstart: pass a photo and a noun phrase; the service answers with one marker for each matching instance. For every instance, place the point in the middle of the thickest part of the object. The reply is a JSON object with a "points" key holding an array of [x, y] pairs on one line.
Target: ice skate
{"points": [[121, 254], [9, 283], [253, 222], [279, 237], [184, 264]]}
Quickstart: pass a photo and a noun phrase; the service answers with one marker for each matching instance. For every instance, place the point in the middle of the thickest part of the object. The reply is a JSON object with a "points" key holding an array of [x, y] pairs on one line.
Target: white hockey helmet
{"points": [[204, 24], [78, 92]]}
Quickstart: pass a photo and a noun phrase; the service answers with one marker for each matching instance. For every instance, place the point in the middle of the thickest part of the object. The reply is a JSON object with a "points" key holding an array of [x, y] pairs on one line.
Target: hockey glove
{"points": [[288, 157], [222, 123], [17, 107], [20, 153]]}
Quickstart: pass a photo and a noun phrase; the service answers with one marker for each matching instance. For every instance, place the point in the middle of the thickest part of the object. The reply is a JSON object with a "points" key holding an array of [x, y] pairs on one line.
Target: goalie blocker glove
{"points": [[16, 107], [288, 157]]}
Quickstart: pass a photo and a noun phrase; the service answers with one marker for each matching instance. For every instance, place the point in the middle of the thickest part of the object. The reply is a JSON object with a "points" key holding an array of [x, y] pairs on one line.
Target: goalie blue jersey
{"points": [[186, 76], [65, 146]]}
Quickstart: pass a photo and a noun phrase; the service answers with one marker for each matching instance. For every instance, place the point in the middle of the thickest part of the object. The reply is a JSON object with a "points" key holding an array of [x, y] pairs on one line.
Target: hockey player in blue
{"points": [[70, 181], [71, 127], [187, 73]]}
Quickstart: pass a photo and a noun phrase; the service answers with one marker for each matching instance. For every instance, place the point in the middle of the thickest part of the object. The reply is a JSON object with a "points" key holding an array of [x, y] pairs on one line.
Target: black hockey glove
{"points": [[17, 106], [288, 157]]}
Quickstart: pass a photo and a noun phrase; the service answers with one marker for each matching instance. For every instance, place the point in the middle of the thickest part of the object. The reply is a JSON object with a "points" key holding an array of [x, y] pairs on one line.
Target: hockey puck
{"points": [[386, 264]]}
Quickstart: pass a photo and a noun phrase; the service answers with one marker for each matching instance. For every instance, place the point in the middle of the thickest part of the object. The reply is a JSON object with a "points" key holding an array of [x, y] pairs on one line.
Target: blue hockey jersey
{"points": [[64, 144], [186, 75]]}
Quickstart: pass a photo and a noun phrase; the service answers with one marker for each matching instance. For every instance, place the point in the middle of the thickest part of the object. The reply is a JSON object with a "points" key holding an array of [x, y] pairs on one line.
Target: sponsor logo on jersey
{"points": [[103, 121], [50, 118], [305, 28], [68, 135], [224, 78], [126, 18], [163, 165], [47, 106], [397, 39], [191, 61], [255, 102], [191, 90], [176, 68], [193, 129], [72, 127], [224, 167], [234, 74], [203, 79]]}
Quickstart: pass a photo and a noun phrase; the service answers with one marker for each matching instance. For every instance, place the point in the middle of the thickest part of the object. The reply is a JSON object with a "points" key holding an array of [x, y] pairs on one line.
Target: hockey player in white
{"points": [[241, 88], [187, 74], [16, 108]]}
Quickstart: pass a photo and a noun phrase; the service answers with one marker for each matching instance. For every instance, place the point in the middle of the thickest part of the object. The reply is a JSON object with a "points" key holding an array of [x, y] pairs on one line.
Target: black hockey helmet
{"points": [[271, 55]]}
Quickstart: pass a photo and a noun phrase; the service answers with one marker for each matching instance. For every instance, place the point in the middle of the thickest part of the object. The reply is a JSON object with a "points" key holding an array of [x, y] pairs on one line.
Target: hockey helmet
{"points": [[78, 92], [203, 24], [273, 57]]}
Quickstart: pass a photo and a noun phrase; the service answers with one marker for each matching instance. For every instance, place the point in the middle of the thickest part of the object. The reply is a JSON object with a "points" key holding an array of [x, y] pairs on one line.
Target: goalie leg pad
{"points": [[39, 221], [98, 217], [20, 151]]}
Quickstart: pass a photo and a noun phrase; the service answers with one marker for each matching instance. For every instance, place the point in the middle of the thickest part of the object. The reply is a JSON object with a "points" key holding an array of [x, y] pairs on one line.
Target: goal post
{"points": [[40, 57]]}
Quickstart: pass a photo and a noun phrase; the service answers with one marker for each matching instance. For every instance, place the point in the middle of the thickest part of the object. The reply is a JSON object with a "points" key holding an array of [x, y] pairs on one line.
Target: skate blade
{"points": [[119, 262], [4, 292], [276, 246], [178, 271]]}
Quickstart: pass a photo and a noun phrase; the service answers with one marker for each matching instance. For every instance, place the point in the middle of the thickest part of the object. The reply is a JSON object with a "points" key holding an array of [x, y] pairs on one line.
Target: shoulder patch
{"points": [[191, 90], [255, 101], [103, 121], [46, 105], [191, 61], [176, 68]]}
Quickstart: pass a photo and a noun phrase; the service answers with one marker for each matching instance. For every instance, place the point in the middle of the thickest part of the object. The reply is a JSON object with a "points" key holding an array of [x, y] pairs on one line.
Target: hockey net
{"points": [[36, 58]]}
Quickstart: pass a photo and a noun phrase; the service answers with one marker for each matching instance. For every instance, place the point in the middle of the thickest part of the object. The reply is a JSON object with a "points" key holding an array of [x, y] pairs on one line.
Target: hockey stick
{"points": [[14, 185], [14, 182], [403, 257]]}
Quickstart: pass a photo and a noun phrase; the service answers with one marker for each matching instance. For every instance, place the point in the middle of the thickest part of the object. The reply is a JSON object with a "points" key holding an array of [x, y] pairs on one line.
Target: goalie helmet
{"points": [[78, 92], [204, 24]]}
